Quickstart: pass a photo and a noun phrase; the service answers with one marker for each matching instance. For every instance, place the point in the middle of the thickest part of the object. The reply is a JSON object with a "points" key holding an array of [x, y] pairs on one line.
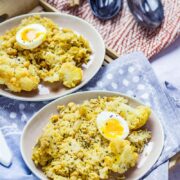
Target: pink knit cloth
{"points": [[123, 34]]}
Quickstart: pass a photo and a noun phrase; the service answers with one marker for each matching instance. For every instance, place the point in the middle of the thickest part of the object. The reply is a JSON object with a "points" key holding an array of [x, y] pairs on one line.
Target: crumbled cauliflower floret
{"points": [[139, 138], [16, 76], [136, 117], [70, 75], [125, 157]]}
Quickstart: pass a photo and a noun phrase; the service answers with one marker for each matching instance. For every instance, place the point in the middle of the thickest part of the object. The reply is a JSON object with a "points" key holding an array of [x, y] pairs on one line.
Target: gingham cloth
{"points": [[123, 34], [131, 74]]}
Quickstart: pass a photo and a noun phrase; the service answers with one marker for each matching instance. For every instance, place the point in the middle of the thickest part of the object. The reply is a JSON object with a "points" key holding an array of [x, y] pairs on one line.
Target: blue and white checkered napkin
{"points": [[131, 74]]}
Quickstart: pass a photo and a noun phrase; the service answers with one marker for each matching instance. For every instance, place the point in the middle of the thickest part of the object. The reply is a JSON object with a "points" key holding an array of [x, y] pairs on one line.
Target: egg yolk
{"points": [[112, 128], [30, 34]]}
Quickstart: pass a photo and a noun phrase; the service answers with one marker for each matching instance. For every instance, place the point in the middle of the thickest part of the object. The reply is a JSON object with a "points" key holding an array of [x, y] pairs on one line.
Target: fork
{"points": [[5, 153]]}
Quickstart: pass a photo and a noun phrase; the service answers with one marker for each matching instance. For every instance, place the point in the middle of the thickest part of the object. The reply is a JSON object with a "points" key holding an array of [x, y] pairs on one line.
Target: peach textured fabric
{"points": [[123, 34]]}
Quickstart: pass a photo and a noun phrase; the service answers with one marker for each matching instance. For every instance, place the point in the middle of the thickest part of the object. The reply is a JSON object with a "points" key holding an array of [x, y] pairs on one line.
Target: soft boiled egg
{"points": [[112, 126], [31, 36]]}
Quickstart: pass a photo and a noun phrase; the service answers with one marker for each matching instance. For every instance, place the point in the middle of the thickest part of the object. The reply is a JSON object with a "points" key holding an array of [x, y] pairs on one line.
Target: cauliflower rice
{"points": [[22, 69], [71, 147]]}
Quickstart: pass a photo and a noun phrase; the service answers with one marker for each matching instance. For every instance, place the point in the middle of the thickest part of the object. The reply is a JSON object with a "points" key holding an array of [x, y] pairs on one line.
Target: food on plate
{"points": [[70, 75], [39, 50], [139, 114], [112, 126], [18, 74], [31, 36], [139, 139], [81, 141]]}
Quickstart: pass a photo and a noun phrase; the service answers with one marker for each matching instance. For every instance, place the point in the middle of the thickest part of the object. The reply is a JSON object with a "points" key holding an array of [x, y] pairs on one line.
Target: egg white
{"points": [[103, 118], [35, 42]]}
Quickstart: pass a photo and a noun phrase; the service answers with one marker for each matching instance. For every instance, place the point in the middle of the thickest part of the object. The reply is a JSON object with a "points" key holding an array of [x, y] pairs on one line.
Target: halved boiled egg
{"points": [[112, 126], [31, 36]]}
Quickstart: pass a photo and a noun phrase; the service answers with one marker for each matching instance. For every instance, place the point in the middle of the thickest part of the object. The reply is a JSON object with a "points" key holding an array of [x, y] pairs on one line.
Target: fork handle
{"points": [[5, 153]]}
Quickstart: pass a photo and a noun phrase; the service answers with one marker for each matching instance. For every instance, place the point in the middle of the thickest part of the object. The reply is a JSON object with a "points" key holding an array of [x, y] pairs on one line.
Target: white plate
{"points": [[34, 127], [51, 91]]}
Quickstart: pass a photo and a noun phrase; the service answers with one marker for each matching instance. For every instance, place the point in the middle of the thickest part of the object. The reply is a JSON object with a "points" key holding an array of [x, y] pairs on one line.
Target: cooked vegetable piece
{"points": [[139, 138], [70, 75]]}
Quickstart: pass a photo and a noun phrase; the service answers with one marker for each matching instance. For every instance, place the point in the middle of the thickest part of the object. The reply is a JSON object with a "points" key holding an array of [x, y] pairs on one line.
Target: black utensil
{"points": [[105, 9], [149, 13]]}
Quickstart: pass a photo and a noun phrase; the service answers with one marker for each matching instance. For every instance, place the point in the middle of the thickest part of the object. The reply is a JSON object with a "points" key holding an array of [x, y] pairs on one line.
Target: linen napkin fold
{"points": [[130, 74]]}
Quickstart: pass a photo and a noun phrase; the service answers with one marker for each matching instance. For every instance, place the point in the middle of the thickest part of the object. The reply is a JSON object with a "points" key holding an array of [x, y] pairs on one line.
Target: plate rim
{"points": [[39, 99], [91, 92]]}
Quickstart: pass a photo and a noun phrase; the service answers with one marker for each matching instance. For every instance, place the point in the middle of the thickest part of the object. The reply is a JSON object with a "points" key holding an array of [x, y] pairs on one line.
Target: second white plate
{"points": [[33, 130]]}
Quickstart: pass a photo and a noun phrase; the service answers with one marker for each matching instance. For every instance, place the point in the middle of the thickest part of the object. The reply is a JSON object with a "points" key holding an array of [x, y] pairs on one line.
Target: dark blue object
{"points": [[149, 13], [106, 9]]}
